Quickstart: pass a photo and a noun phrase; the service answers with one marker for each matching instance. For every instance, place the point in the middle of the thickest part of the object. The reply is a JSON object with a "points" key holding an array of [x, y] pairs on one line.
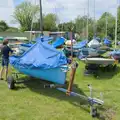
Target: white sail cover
{"points": [[94, 43]]}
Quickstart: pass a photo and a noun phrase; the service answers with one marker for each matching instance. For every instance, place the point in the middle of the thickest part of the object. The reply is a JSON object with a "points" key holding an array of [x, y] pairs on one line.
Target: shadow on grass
{"points": [[37, 86], [106, 74]]}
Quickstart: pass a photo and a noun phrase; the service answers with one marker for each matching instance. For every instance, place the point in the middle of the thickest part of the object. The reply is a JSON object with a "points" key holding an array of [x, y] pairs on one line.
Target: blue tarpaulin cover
{"points": [[44, 38], [107, 41], [81, 44], [40, 55], [115, 52], [26, 44], [59, 41]]}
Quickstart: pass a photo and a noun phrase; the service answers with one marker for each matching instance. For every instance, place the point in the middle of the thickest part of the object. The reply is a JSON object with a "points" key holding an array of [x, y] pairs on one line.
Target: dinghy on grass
{"points": [[99, 61], [42, 61]]}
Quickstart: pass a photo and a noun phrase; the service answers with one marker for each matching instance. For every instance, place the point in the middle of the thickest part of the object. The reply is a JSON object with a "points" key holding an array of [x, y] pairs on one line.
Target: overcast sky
{"points": [[65, 9]]}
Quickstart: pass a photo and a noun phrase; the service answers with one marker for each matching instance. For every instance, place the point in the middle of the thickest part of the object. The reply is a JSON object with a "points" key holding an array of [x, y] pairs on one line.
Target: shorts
{"points": [[5, 62]]}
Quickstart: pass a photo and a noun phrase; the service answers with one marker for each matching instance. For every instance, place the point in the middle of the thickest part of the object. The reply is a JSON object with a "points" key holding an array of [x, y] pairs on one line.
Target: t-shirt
{"points": [[5, 51]]}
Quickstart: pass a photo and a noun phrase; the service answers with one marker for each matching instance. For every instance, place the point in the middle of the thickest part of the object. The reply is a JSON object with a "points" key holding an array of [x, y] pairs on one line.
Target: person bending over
{"points": [[5, 50]]}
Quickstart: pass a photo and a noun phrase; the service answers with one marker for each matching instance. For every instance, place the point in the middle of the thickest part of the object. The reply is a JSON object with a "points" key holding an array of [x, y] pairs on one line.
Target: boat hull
{"points": [[55, 75], [100, 61]]}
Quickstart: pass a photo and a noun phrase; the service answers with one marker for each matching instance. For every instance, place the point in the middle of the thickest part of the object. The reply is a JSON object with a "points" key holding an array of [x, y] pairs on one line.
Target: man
{"points": [[5, 50]]}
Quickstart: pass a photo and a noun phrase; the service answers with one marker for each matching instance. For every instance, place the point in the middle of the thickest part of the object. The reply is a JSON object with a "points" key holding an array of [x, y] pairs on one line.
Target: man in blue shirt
{"points": [[5, 58]]}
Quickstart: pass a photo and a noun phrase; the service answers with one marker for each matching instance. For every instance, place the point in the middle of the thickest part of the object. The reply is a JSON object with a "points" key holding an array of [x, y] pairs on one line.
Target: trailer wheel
{"points": [[11, 82], [94, 112], [109, 68], [114, 67]]}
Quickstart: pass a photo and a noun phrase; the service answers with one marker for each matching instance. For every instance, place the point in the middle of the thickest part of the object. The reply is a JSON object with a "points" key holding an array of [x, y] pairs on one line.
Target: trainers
{"points": [[1, 78]]}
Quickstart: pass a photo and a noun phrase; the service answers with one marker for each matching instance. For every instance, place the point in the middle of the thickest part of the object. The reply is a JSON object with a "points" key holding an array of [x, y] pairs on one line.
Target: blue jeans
{"points": [[5, 62]]}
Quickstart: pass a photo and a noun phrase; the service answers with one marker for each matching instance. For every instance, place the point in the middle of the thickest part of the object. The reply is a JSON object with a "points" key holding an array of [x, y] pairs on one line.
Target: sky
{"points": [[66, 9]]}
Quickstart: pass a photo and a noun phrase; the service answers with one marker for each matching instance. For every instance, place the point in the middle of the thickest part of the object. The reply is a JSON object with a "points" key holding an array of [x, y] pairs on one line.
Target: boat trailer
{"points": [[92, 101]]}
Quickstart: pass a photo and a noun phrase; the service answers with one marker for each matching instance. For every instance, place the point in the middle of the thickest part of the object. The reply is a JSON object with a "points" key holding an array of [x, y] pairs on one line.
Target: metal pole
{"points": [[106, 24], [83, 25], [41, 20], [116, 27], [94, 20], [71, 33], [88, 21]]}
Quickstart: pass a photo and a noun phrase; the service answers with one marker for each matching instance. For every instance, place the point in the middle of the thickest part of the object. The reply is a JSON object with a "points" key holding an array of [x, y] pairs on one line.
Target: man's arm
{"points": [[10, 50]]}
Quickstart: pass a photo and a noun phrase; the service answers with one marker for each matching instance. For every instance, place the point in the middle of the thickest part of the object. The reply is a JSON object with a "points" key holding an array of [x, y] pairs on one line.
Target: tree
{"points": [[3, 26], [101, 25], [49, 22], [68, 26], [12, 29], [81, 26], [24, 14], [118, 28], [80, 23]]}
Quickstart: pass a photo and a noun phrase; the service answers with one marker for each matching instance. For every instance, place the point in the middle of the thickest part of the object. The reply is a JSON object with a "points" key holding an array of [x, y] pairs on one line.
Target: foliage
{"points": [[24, 15], [118, 23], [3, 26], [49, 22], [108, 19], [12, 29]]}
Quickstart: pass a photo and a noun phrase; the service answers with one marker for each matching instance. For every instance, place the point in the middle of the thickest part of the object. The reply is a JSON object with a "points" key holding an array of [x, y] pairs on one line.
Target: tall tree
{"points": [[3, 26], [49, 22], [101, 25], [81, 26], [24, 14], [118, 28]]}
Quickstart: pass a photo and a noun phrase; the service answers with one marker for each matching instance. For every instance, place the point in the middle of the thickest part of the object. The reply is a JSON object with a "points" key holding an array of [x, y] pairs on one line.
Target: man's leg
{"points": [[1, 73], [6, 72], [2, 70], [6, 68]]}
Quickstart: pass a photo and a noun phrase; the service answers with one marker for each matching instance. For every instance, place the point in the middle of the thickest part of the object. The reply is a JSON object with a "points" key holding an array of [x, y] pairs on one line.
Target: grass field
{"points": [[30, 101]]}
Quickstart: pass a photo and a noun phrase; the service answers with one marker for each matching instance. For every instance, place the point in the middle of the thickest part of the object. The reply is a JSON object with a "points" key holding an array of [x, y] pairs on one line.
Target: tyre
{"points": [[94, 112], [11, 83], [114, 67]]}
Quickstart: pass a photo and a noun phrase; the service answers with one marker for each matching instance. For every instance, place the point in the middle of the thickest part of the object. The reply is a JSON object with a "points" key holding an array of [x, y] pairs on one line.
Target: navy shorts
{"points": [[5, 62]]}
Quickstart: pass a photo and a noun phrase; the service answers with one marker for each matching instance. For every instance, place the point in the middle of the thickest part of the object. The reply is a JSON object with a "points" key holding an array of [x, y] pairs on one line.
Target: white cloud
{"points": [[70, 9], [65, 9], [6, 10]]}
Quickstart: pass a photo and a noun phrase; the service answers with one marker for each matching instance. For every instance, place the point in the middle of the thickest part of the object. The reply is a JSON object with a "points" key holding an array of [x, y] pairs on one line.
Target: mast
{"points": [[94, 20], [41, 20], [88, 21], [83, 24], [106, 24], [116, 27]]}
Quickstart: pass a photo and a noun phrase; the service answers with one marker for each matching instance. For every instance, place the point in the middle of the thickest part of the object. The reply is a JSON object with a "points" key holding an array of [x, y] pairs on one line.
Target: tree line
{"points": [[27, 15]]}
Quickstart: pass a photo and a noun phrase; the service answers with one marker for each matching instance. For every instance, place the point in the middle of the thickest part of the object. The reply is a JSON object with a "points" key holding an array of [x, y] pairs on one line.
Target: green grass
{"points": [[30, 101]]}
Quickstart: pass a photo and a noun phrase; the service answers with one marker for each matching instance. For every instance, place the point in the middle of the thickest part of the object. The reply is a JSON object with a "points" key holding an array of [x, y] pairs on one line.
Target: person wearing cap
{"points": [[5, 50]]}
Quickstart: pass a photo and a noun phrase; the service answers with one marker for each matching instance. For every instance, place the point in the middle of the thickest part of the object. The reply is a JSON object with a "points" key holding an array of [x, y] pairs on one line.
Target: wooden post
{"points": [[71, 45], [74, 66]]}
